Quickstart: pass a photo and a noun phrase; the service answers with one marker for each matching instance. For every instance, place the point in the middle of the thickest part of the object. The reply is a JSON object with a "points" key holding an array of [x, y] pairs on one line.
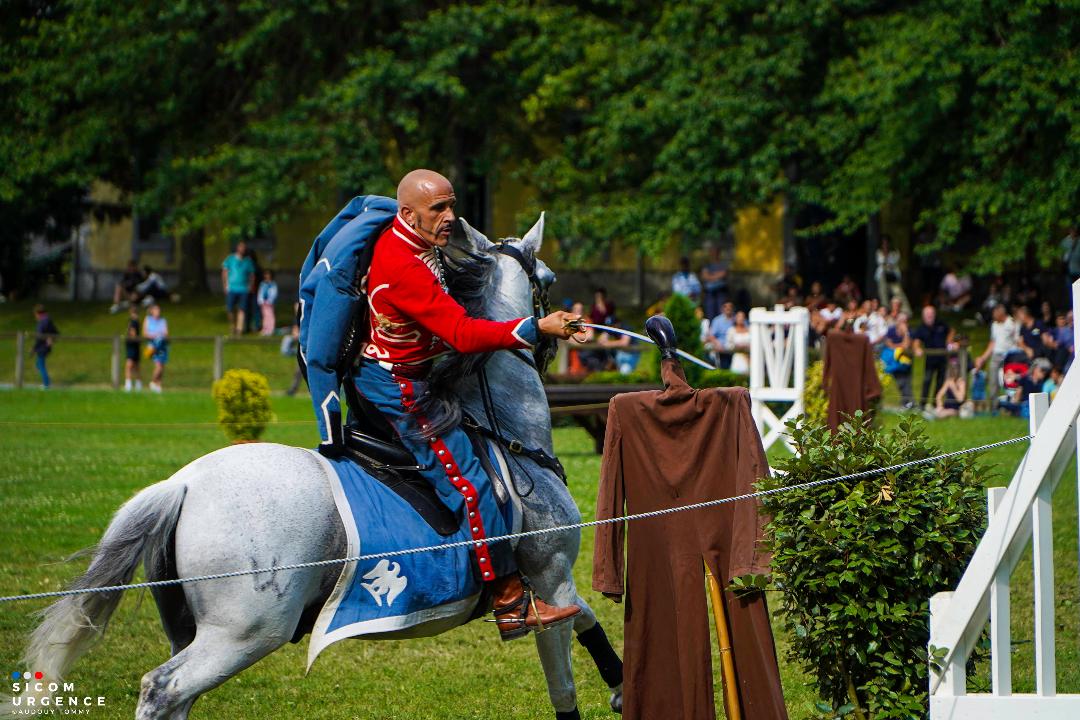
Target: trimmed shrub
{"points": [[722, 378], [858, 561], [679, 309], [614, 377], [243, 402]]}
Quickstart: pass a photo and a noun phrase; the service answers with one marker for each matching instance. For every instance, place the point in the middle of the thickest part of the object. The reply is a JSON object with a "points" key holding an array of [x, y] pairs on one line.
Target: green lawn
{"points": [[59, 485], [191, 354]]}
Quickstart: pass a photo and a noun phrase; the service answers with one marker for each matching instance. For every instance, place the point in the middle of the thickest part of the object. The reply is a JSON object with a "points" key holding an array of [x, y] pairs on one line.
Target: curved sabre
{"points": [[608, 328]]}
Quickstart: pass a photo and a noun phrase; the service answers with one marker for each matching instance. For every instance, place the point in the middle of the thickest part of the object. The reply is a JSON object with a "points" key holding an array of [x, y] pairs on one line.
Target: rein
{"points": [[494, 431]]}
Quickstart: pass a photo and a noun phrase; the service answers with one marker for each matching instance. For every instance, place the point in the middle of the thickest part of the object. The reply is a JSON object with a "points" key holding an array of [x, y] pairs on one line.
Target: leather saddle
{"points": [[372, 443]]}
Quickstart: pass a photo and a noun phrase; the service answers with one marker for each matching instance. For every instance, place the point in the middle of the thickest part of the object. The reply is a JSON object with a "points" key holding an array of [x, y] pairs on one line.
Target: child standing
{"points": [[267, 296], [156, 331], [131, 364]]}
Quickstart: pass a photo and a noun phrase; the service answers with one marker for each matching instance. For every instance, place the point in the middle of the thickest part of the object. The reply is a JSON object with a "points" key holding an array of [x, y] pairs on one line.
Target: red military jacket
{"points": [[412, 317]]}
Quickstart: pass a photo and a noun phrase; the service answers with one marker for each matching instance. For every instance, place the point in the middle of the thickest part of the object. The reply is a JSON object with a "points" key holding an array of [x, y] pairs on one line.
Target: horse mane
{"points": [[467, 276]]}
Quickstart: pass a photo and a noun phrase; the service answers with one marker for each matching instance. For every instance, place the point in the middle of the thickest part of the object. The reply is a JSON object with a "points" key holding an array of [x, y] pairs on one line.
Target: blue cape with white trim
{"points": [[400, 592], [329, 296]]}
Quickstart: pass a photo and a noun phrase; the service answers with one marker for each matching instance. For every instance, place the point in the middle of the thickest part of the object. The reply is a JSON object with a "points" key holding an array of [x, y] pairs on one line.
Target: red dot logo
{"points": [[38, 675]]}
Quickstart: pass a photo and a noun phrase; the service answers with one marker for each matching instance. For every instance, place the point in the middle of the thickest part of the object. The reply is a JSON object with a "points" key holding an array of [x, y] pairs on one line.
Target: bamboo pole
{"points": [[723, 639]]}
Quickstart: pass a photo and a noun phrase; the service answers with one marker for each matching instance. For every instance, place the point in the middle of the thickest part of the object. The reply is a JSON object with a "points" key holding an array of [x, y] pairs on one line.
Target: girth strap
{"points": [[537, 455]]}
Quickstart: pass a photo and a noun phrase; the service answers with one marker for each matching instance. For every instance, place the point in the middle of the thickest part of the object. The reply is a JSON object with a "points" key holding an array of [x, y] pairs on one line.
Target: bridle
{"points": [[527, 261]]}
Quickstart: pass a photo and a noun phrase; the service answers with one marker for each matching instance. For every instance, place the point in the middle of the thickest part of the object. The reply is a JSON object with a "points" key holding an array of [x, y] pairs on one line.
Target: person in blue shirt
{"points": [[718, 329], [268, 292], [685, 282], [156, 332], [238, 281]]}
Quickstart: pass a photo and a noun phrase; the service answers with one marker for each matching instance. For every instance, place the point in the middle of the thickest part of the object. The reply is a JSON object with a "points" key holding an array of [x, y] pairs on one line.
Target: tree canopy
{"points": [[636, 121]]}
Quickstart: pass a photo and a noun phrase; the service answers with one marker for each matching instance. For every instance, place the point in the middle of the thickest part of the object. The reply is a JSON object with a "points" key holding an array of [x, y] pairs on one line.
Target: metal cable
{"points": [[519, 535]]}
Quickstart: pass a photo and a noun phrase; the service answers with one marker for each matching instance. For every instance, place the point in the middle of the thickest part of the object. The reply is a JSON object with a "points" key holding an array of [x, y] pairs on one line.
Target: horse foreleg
{"points": [[594, 639]]}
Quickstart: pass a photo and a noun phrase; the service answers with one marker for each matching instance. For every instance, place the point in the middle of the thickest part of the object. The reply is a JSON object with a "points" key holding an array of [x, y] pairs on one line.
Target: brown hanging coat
{"points": [[663, 449], [849, 375]]}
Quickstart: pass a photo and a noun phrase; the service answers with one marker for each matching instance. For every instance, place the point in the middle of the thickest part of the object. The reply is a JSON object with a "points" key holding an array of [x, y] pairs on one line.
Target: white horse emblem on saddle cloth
{"points": [[385, 581]]}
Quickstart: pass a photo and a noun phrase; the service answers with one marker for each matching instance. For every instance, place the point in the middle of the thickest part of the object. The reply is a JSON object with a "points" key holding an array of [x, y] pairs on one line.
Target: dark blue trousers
{"points": [[452, 466]]}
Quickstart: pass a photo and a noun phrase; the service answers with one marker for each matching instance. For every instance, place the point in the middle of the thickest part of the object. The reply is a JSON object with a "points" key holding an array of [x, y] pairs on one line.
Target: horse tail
{"points": [[142, 527]]}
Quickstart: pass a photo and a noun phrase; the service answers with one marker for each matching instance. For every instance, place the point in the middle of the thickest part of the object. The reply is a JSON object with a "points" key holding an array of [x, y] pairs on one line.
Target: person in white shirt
{"points": [[871, 322], [738, 342], [1004, 339]]}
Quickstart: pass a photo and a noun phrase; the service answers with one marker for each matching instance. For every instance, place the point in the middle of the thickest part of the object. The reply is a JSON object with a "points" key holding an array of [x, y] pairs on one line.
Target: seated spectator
{"points": [[953, 392], [1046, 314], [737, 341], [896, 355], [791, 299], [1052, 383], [955, 291], [602, 311], [125, 289], [684, 282], [1064, 343], [815, 298], [896, 308], [789, 281], [1019, 383], [625, 361], [717, 336], [829, 317], [847, 291], [583, 362], [870, 322], [152, 289]]}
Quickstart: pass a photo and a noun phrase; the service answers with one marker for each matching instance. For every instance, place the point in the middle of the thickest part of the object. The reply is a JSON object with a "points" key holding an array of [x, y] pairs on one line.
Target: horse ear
{"points": [[476, 239], [535, 237]]}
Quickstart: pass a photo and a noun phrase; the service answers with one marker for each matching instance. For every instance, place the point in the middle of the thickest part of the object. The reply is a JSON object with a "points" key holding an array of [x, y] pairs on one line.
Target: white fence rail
{"points": [[1019, 513]]}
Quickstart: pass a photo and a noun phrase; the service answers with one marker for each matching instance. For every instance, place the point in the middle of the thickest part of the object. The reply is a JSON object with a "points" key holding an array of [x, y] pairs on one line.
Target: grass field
{"points": [[59, 484]]}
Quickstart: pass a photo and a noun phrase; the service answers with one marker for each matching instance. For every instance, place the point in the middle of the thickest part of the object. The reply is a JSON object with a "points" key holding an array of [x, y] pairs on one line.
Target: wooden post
{"points": [[219, 357], [723, 640], [20, 358], [116, 362]]}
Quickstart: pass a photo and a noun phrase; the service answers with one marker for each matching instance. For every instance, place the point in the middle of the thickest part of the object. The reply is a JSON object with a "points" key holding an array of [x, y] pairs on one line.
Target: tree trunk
{"points": [[193, 263]]}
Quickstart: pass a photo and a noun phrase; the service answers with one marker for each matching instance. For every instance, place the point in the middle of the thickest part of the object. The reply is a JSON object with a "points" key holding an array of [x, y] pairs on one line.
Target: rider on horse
{"points": [[413, 320]]}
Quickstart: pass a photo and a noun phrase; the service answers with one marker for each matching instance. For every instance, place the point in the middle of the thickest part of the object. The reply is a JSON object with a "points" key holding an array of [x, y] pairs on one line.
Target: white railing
{"points": [[777, 368], [1019, 513]]}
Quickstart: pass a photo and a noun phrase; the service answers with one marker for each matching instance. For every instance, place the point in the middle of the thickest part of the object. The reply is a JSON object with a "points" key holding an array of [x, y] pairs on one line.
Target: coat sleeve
{"points": [[610, 502], [748, 555], [418, 295]]}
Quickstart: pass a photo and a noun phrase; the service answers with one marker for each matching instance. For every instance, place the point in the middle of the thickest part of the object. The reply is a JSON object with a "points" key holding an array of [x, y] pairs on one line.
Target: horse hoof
{"points": [[616, 700]]}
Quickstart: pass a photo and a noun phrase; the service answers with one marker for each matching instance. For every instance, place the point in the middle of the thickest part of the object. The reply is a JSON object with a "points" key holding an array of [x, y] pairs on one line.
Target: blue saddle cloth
{"points": [[393, 594]]}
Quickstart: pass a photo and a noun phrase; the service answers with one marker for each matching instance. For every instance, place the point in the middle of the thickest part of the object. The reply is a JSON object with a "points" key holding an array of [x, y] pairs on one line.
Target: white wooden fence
{"points": [[1018, 513], [777, 368]]}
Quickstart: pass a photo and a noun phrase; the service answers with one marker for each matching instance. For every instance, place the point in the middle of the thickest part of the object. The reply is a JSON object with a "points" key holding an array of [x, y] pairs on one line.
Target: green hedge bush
{"points": [[243, 402], [857, 562]]}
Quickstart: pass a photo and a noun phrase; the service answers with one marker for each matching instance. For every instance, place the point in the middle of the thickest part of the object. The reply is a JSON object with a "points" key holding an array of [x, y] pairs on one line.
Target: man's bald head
{"points": [[426, 202]]}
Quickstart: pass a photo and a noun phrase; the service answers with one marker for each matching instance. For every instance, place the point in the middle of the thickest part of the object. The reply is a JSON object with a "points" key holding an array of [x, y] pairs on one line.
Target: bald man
{"points": [[413, 320]]}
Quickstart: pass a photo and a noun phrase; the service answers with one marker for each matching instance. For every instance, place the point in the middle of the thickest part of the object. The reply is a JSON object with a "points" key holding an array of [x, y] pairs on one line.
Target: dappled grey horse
{"points": [[262, 505]]}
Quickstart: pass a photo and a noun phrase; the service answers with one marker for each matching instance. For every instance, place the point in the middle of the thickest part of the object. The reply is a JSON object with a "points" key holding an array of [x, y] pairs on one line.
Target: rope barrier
{"points": [[519, 535]]}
